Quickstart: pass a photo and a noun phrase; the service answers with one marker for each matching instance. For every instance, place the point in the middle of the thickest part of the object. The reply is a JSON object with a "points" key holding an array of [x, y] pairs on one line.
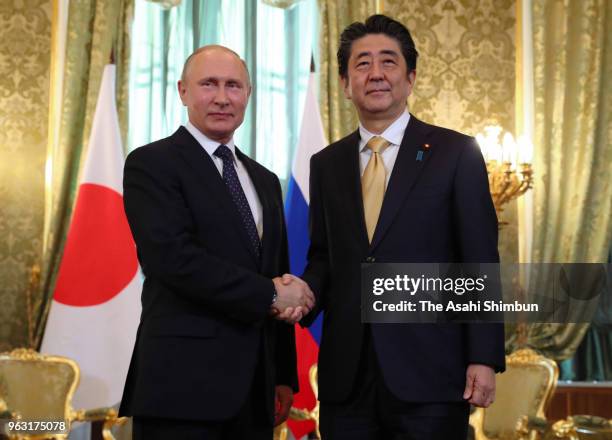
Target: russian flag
{"points": [[311, 140]]}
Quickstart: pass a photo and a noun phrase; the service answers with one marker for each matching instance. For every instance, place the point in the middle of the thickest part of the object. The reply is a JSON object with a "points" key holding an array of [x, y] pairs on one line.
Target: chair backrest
{"points": [[525, 388], [37, 387]]}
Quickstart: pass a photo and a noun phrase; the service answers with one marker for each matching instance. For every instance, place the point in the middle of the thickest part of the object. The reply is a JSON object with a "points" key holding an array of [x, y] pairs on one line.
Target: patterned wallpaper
{"points": [[466, 67], [25, 39], [465, 72]]}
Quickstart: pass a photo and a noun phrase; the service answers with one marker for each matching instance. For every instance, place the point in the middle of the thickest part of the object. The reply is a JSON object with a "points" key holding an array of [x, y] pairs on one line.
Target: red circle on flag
{"points": [[100, 256]]}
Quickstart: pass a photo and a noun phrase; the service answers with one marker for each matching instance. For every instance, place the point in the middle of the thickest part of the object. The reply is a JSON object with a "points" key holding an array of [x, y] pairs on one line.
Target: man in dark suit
{"points": [[210, 360], [396, 190]]}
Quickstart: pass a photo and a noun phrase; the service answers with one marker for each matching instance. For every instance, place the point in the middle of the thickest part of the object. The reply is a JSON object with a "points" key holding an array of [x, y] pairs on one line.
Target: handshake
{"points": [[294, 299]]}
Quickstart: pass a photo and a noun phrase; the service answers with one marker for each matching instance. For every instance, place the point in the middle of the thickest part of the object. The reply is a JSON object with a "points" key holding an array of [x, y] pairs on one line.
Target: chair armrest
{"points": [[595, 423], [4, 411], [564, 429], [527, 424], [561, 429], [6, 416], [107, 415], [95, 415], [299, 415]]}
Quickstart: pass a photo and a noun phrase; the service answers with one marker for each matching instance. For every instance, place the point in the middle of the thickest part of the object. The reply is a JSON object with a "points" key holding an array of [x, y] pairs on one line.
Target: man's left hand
{"points": [[480, 385], [283, 399]]}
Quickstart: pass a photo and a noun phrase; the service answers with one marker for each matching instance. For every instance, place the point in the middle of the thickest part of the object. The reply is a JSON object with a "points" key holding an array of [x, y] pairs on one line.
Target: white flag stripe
{"points": [[312, 138], [100, 339], [104, 163]]}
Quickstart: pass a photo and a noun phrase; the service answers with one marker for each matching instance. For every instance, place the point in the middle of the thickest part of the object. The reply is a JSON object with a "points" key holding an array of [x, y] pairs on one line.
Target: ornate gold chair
{"points": [[280, 433], [522, 394], [590, 427], [36, 388], [577, 427]]}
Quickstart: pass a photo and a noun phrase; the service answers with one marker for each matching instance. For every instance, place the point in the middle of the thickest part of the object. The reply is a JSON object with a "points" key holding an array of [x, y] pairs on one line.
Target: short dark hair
{"points": [[376, 24]]}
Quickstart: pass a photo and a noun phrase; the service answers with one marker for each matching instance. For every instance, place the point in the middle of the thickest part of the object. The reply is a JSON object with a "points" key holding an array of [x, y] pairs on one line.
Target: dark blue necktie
{"points": [[230, 177]]}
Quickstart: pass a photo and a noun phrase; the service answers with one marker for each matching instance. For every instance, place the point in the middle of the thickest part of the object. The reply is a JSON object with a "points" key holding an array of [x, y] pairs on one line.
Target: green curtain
{"points": [[278, 61], [573, 147], [162, 39], [25, 40], [95, 29], [283, 67], [593, 358]]}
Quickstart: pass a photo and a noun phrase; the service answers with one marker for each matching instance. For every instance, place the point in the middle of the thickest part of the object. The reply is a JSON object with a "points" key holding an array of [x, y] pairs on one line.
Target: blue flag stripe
{"points": [[296, 213]]}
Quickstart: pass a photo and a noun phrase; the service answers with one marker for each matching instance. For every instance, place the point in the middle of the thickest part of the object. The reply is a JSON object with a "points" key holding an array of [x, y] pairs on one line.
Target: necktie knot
{"points": [[377, 144], [224, 152]]}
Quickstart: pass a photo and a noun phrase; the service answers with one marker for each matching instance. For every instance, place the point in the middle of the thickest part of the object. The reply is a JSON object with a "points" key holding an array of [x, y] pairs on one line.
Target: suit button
{"points": [[370, 259]]}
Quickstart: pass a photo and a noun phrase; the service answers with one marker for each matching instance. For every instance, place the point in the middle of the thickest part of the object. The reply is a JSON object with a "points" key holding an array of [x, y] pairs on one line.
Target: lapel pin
{"points": [[419, 155]]}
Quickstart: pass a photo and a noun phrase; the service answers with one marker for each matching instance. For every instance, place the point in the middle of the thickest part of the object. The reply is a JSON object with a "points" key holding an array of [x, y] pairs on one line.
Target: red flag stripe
{"points": [[100, 256]]}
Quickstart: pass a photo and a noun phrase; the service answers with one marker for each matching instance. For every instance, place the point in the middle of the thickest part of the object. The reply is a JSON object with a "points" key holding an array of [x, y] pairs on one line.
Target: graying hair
{"points": [[214, 46]]}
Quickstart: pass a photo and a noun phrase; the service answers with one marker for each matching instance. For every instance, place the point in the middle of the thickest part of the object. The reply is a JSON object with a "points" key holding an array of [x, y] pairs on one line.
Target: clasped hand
{"points": [[294, 299]]}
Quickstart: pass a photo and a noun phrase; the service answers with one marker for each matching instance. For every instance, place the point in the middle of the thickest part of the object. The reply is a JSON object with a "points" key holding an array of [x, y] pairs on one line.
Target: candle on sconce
{"points": [[508, 149], [514, 178], [499, 152], [480, 140], [525, 149]]}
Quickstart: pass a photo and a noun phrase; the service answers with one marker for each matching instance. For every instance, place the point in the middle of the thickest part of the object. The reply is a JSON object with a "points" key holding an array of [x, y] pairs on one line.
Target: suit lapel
{"points": [[349, 169], [204, 166], [411, 159]]}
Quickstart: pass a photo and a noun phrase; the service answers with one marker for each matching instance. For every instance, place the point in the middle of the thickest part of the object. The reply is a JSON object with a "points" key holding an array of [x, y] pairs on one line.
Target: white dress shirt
{"points": [[393, 134], [210, 147]]}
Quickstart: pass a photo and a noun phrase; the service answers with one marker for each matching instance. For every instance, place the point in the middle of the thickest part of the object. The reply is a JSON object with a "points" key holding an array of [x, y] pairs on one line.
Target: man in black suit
{"points": [[396, 190], [210, 360]]}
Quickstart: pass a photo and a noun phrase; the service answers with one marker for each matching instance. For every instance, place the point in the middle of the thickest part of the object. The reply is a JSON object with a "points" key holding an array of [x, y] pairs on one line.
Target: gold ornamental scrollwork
{"points": [[282, 4], [166, 4]]}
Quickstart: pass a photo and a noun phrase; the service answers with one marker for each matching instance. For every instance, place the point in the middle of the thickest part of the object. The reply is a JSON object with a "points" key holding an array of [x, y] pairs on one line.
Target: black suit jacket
{"points": [[437, 209], [206, 296]]}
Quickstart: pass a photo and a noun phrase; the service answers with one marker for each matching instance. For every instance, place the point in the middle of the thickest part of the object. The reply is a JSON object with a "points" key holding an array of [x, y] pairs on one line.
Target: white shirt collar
{"points": [[394, 133], [208, 144]]}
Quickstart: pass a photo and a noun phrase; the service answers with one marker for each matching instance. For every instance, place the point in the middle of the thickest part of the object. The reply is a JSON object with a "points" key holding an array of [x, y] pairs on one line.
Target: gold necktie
{"points": [[373, 184]]}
